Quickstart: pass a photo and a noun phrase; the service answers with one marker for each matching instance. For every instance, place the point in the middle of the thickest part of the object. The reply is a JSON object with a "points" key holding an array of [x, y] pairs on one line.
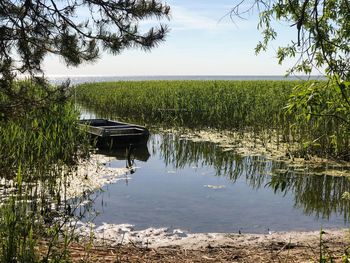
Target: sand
{"points": [[120, 243], [123, 234]]}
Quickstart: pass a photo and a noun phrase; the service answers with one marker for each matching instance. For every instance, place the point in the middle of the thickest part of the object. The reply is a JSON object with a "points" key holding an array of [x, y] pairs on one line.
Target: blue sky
{"points": [[202, 41]]}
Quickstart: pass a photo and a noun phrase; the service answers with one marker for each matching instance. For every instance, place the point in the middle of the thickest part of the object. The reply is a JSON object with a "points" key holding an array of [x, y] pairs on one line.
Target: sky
{"points": [[202, 40]]}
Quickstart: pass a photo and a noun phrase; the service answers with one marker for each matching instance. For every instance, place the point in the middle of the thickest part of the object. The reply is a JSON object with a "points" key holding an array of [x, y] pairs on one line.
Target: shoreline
{"points": [[123, 234], [211, 247], [93, 174]]}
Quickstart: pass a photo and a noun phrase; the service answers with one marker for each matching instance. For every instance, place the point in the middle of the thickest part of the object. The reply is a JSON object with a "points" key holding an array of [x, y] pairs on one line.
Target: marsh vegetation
{"points": [[250, 132], [284, 110], [39, 148]]}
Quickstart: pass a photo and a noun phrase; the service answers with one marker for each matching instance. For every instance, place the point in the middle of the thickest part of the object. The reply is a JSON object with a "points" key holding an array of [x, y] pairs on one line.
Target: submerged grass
{"points": [[247, 106]]}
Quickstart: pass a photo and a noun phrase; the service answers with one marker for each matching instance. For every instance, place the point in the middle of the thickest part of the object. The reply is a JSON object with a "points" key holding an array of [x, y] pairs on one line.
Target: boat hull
{"points": [[110, 134]]}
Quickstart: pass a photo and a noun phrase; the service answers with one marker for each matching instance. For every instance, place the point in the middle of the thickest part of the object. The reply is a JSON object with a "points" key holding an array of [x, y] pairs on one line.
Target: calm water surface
{"points": [[197, 187], [173, 185]]}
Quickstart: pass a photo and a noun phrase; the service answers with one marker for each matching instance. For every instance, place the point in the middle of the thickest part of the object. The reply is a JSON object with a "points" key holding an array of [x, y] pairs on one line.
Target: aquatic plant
{"points": [[197, 104], [275, 108], [38, 149]]}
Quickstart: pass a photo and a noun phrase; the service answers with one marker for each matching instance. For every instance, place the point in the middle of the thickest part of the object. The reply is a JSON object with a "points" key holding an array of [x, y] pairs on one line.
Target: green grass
{"points": [[215, 104], [38, 149], [304, 116]]}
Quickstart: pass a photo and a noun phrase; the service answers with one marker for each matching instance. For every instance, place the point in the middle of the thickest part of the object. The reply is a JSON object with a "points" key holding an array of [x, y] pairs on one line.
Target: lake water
{"points": [[195, 186], [198, 187]]}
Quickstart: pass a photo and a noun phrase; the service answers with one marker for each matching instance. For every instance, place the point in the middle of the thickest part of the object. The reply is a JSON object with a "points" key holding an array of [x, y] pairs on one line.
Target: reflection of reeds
{"points": [[314, 192], [182, 152], [319, 195], [258, 107]]}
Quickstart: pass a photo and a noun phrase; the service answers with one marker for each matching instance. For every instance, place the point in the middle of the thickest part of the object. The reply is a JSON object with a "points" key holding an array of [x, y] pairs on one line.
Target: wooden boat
{"points": [[113, 134]]}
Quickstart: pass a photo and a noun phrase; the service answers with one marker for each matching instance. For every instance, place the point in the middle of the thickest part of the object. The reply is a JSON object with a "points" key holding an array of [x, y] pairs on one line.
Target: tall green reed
{"points": [[38, 150], [215, 104], [260, 107]]}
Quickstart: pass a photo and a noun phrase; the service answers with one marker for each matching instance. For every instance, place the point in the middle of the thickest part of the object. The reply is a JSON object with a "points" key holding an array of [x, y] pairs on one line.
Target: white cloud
{"points": [[184, 19]]}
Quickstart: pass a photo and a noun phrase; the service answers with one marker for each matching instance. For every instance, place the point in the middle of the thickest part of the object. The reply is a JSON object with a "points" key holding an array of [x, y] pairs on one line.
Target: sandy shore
{"points": [[211, 247], [124, 234]]}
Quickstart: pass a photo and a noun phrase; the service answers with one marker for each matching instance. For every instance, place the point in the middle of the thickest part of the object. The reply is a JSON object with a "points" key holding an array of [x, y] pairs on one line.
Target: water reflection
{"points": [[314, 193], [180, 152], [258, 193], [319, 195], [129, 153]]}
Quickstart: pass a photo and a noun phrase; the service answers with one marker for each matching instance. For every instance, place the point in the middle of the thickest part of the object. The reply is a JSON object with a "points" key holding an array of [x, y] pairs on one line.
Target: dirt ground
{"points": [[302, 248]]}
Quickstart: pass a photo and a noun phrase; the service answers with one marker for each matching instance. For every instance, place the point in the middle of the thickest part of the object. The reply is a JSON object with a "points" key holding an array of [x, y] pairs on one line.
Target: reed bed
{"points": [[260, 107], [40, 141], [38, 149], [215, 104]]}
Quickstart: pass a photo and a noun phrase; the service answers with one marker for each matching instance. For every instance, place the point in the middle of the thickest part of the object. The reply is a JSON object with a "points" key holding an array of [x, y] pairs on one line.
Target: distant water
{"points": [[88, 79]]}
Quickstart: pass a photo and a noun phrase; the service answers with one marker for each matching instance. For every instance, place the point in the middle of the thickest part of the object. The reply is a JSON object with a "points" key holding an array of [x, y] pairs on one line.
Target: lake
{"points": [[201, 187], [198, 187]]}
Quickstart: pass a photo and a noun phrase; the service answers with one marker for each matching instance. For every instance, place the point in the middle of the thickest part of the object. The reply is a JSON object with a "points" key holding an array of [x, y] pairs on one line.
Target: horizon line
{"points": [[184, 75]]}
